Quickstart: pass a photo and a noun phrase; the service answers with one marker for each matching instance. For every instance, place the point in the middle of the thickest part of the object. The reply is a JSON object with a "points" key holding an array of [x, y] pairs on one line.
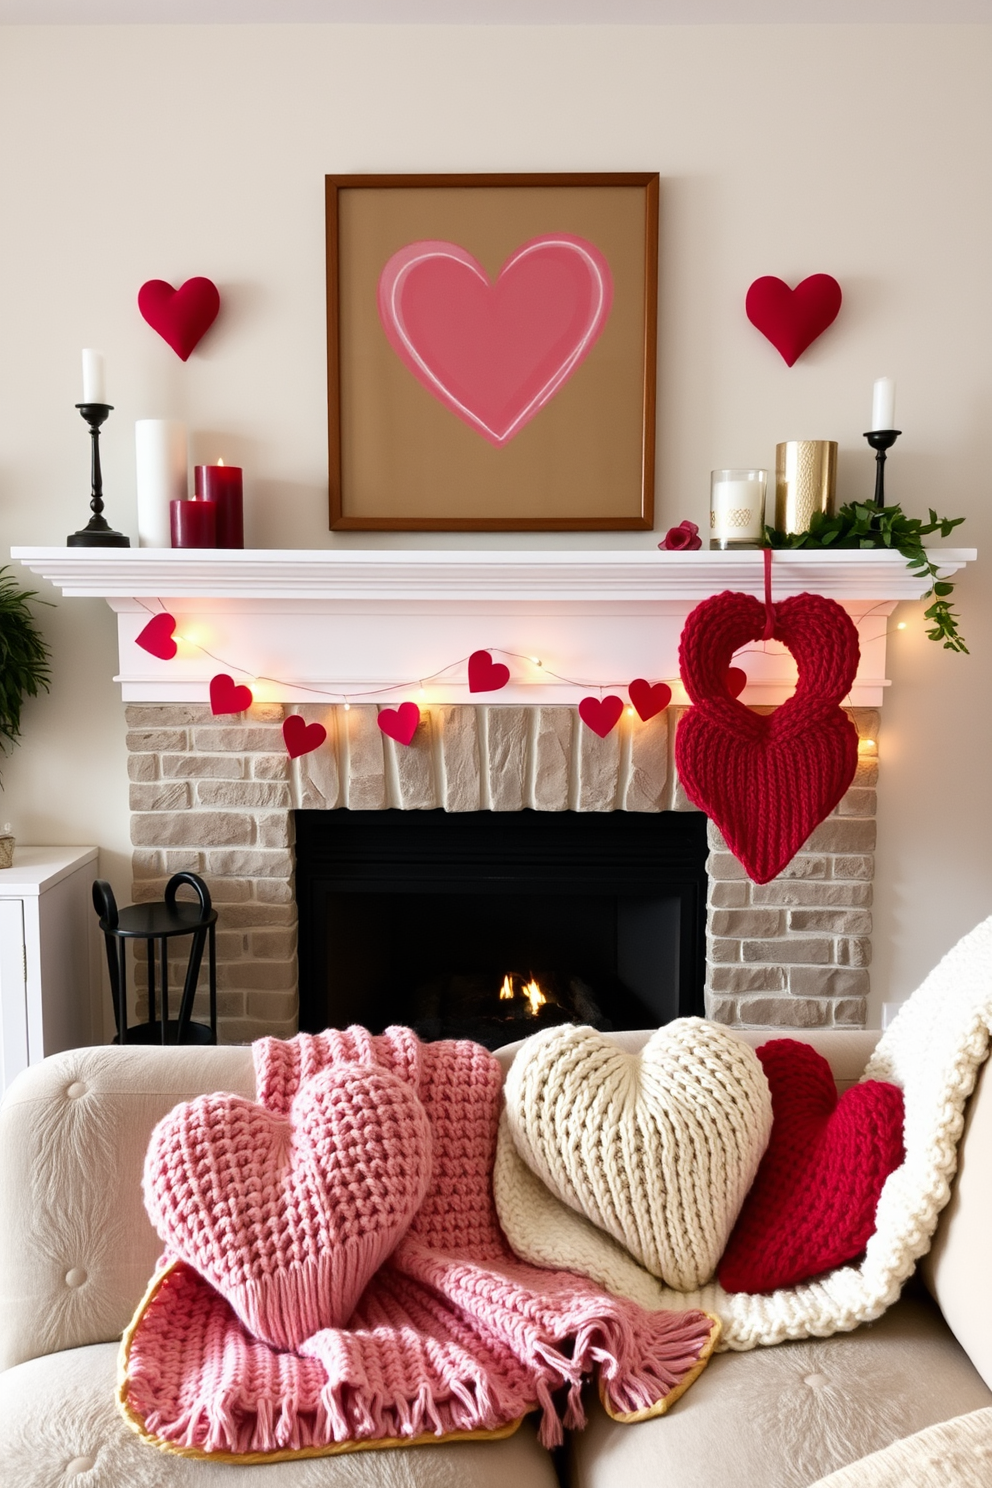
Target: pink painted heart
{"points": [[400, 723], [649, 698], [601, 714], [301, 737], [495, 353], [157, 639], [288, 1217], [792, 319], [181, 316], [228, 696], [486, 675]]}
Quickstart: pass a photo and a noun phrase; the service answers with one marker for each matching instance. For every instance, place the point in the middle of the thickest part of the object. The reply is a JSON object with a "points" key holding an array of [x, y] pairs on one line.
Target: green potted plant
{"points": [[24, 670]]}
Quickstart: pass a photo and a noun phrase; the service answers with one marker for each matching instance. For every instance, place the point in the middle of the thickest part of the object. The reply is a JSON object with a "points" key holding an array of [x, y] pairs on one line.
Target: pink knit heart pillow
{"points": [[288, 1217]]}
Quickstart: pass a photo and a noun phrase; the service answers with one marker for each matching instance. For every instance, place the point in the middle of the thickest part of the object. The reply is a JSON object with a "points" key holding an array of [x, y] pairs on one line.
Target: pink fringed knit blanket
{"points": [[252, 1347]]}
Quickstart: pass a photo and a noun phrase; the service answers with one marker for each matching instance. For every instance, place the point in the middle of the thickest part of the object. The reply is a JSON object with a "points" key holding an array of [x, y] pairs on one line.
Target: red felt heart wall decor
{"points": [[301, 737], [601, 714], [792, 319], [486, 675], [400, 723], [812, 1205], [227, 696], [181, 316], [157, 639], [767, 780], [649, 699]]}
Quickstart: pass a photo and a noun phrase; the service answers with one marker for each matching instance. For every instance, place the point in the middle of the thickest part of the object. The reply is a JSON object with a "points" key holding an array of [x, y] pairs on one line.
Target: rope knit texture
{"points": [[452, 1335], [932, 1052], [658, 1148], [812, 1205], [952, 1454], [767, 780]]}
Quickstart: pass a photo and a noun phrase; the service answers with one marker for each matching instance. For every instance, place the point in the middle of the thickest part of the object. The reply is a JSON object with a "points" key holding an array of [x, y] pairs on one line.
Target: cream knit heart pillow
{"points": [[658, 1148]]}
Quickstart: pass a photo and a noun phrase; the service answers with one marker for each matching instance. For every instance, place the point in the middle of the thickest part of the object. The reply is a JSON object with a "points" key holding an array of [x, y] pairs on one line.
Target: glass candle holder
{"points": [[737, 508]]}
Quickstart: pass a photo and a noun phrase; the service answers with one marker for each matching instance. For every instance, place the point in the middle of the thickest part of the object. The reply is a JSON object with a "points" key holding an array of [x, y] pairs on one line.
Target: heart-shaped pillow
{"points": [[767, 780], [181, 316], [658, 1148], [813, 1203], [792, 319], [288, 1217]]}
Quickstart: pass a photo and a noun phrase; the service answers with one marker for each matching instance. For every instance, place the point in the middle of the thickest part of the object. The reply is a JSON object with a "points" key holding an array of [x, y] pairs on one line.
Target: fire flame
{"points": [[506, 991], [535, 997]]}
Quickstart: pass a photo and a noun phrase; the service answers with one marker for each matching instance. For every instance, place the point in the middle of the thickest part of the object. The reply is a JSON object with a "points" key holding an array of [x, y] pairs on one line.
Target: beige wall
{"points": [[134, 153]]}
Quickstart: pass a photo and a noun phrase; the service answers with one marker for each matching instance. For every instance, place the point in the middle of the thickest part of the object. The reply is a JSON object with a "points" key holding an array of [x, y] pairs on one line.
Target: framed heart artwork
{"points": [[491, 348]]}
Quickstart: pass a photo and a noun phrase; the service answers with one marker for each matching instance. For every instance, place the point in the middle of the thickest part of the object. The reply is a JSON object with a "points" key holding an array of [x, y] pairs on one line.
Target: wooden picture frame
{"points": [[491, 352]]}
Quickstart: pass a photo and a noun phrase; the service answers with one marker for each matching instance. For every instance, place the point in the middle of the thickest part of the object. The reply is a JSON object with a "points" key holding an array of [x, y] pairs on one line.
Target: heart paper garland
{"points": [[399, 723], [486, 675], [792, 319], [649, 699], [228, 696], [181, 316], [301, 737], [601, 714], [157, 638]]}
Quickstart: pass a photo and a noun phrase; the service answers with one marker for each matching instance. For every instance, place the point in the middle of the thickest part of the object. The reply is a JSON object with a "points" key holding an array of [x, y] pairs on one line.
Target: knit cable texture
{"points": [[767, 780], [932, 1051], [453, 1335]]}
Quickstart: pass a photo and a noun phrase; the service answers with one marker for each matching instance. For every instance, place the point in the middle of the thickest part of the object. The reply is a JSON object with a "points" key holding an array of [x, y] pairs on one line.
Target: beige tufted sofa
{"points": [[76, 1252]]}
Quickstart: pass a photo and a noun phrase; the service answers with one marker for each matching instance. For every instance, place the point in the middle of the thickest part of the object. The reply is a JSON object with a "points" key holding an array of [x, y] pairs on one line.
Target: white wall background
{"points": [[164, 152]]}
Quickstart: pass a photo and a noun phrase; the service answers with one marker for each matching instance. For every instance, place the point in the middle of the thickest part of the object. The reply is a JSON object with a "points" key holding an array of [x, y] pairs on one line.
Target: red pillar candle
{"points": [[194, 524], [221, 486]]}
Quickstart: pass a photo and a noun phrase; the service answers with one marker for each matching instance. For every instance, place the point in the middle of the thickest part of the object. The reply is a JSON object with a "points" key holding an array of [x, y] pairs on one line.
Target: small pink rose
{"points": [[684, 537]]}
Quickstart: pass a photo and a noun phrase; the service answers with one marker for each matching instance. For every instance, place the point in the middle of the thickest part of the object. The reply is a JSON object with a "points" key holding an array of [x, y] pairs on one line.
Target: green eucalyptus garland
{"points": [[861, 524], [24, 657]]}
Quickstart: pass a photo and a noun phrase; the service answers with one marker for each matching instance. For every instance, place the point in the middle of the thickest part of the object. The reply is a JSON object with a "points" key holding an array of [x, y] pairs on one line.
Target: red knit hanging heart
{"points": [[767, 781], [226, 696], [792, 319], [157, 638], [601, 714], [649, 699], [400, 723], [181, 316], [486, 675], [812, 1205]]}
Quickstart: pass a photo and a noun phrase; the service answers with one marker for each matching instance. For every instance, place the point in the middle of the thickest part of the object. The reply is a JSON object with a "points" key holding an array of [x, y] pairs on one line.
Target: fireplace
{"points": [[490, 925]]}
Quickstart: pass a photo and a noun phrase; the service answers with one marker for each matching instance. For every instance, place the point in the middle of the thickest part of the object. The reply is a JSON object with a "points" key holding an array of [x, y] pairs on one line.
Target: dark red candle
{"points": [[194, 524], [221, 486]]}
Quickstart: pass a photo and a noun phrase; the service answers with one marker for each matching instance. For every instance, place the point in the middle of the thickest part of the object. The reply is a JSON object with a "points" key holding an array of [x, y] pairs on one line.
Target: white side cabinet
{"points": [[50, 985]]}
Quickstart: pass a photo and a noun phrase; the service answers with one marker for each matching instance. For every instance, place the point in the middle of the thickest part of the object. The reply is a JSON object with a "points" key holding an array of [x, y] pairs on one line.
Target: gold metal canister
{"points": [[805, 482]]}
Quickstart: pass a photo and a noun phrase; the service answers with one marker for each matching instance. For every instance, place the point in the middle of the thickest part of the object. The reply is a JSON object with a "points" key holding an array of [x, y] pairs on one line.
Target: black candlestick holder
{"points": [[97, 533], [880, 441]]}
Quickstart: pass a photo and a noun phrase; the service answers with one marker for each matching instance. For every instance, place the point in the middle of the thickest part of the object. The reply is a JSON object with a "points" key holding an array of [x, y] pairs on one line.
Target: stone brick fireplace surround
{"points": [[216, 795]]}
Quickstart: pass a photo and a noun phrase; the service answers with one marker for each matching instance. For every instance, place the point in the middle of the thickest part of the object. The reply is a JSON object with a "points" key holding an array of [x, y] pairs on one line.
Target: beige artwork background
{"points": [[405, 459]]}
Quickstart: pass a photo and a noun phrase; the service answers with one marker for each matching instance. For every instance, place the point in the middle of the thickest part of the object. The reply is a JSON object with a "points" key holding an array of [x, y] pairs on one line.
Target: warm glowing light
{"points": [[901, 625], [867, 747], [347, 707], [535, 997], [630, 712], [537, 661], [220, 462], [506, 991], [423, 691]]}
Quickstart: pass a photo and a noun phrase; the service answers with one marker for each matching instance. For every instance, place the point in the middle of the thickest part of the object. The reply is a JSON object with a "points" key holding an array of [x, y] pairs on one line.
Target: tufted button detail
{"points": [[79, 1465], [75, 1277], [74, 1091], [815, 1381]]}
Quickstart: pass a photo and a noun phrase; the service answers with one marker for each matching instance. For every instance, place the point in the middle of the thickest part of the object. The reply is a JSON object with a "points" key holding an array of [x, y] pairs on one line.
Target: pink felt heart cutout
{"points": [[289, 1217], [157, 638], [495, 353], [601, 714], [812, 1205], [400, 723], [301, 737], [181, 316], [792, 319], [228, 696], [649, 698], [486, 675]]}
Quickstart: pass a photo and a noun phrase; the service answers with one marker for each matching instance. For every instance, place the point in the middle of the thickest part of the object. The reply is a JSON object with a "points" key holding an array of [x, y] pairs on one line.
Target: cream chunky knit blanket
{"points": [[932, 1051]]}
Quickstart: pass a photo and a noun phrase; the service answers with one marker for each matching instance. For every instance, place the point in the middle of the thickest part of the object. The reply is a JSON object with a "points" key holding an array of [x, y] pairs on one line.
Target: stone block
{"points": [[183, 860], [147, 890], [231, 944], [724, 867], [788, 951], [747, 979], [854, 867], [229, 891], [230, 738], [266, 712], [507, 764], [156, 741], [719, 951], [257, 976], [714, 837], [782, 1012], [272, 891], [235, 863], [827, 981], [415, 767], [843, 835], [598, 769], [854, 952], [142, 767], [552, 758], [727, 895], [274, 829], [457, 737], [277, 766], [648, 779], [241, 1031], [252, 915], [811, 892], [278, 943], [275, 1008], [850, 1012], [831, 921], [804, 865], [721, 1010], [165, 715], [243, 793], [316, 776], [680, 801], [193, 829], [746, 922], [866, 774], [162, 795], [229, 1005], [858, 802], [146, 863], [366, 762], [203, 766]]}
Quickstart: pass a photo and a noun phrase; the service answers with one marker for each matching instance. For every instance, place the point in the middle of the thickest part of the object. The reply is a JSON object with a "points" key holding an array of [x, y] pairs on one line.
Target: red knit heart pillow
{"points": [[289, 1217], [792, 319], [181, 316], [812, 1205], [767, 780]]}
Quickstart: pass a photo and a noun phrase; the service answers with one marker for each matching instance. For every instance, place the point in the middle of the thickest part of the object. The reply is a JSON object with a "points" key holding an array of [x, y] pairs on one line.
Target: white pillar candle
{"points": [[94, 388], [883, 404], [163, 476], [737, 507]]}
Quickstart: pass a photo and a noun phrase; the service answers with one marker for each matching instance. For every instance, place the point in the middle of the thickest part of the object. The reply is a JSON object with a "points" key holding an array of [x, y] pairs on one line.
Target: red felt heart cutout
{"points": [[400, 723], [812, 1205], [767, 780], [302, 737], [601, 714], [736, 681], [288, 1217], [649, 699], [793, 318], [181, 316], [227, 696], [486, 675], [156, 638]]}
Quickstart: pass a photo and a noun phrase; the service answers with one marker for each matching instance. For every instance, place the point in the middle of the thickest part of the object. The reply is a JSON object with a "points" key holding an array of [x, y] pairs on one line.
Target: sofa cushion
{"points": [[59, 1422], [784, 1417]]}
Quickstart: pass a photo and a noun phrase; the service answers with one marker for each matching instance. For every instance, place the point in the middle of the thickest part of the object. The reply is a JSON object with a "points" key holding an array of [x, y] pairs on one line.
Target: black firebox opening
{"points": [[426, 918]]}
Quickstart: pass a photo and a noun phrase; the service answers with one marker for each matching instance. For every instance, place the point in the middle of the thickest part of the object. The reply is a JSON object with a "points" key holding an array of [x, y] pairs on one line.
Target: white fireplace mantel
{"points": [[377, 626]]}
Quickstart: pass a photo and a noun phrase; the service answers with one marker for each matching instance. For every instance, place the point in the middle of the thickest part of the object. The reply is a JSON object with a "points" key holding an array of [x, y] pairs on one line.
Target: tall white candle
{"points": [[883, 404], [162, 467], [94, 388]]}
